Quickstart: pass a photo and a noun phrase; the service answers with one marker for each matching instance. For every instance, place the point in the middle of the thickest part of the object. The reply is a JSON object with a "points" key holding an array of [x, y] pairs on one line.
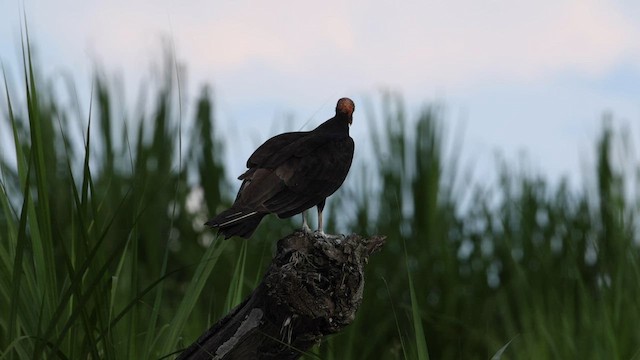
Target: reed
{"points": [[103, 253]]}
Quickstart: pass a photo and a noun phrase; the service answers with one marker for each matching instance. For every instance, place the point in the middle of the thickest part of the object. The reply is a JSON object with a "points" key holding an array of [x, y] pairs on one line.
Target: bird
{"points": [[291, 173]]}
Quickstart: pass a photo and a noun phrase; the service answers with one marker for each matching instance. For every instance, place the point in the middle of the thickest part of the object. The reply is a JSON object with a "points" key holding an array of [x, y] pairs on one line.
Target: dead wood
{"points": [[312, 288]]}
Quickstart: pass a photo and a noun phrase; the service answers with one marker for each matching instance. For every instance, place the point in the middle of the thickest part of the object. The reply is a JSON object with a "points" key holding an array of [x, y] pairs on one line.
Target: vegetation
{"points": [[103, 254]]}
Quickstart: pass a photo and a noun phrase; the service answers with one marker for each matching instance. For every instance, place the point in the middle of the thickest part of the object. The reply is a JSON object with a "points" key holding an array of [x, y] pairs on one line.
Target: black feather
{"points": [[290, 173]]}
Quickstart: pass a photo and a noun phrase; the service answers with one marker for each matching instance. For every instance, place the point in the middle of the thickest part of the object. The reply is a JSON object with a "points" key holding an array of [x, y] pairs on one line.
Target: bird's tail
{"points": [[234, 222]]}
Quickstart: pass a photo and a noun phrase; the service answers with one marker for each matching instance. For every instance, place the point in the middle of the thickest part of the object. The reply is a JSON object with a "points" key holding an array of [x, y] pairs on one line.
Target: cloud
{"points": [[380, 42], [299, 52], [505, 40], [359, 43]]}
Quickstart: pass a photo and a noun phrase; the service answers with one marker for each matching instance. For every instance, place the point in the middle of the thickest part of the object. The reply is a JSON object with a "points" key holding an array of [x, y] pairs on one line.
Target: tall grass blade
{"points": [[21, 243], [498, 355], [234, 294], [420, 339], [208, 262]]}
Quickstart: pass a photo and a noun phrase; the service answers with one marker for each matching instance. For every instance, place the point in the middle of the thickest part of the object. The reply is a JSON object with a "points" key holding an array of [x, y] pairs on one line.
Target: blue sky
{"points": [[532, 76]]}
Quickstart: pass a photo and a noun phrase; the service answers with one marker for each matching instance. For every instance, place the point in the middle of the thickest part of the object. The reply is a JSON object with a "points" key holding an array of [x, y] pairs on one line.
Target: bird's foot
{"points": [[321, 234], [306, 229]]}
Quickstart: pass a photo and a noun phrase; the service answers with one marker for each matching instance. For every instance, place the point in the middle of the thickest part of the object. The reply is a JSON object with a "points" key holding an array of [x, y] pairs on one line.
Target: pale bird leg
{"points": [[320, 231], [305, 227]]}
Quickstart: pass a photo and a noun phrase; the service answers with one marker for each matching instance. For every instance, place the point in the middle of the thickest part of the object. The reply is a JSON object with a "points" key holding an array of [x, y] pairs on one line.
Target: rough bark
{"points": [[312, 288]]}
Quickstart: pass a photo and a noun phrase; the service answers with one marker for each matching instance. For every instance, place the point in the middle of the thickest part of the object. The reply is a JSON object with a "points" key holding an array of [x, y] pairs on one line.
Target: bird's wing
{"points": [[260, 182], [310, 176], [261, 157], [294, 171], [258, 186]]}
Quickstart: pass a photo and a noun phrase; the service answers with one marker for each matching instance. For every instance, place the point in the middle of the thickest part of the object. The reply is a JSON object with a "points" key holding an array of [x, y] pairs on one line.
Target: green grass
{"points": [[102, 252]]}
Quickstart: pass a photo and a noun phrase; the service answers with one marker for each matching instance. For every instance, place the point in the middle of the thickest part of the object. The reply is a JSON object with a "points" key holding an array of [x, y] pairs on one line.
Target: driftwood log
{"points": [[312, 288]]}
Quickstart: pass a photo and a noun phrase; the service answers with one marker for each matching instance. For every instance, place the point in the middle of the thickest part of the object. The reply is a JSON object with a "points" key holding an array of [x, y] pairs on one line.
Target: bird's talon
{"points": [[322, 235]]}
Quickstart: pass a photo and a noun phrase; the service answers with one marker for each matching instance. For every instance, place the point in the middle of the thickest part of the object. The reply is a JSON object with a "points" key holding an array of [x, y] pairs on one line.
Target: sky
{"points": [[532, 77]]}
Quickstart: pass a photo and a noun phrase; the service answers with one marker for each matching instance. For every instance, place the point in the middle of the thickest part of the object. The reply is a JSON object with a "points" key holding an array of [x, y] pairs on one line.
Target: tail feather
{"points": [[235, 222]]}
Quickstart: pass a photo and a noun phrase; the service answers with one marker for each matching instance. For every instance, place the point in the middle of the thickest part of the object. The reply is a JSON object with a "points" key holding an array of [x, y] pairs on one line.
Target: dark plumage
{"points": [[291, 173]]}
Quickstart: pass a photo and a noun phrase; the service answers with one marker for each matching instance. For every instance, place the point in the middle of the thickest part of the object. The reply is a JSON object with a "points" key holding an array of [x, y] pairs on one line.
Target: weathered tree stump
{"points": [[312, 288]]}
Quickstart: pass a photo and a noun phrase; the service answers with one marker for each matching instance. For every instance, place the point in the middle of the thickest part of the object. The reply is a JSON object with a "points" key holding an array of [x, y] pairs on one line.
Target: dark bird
{"points": [[291, 173]]}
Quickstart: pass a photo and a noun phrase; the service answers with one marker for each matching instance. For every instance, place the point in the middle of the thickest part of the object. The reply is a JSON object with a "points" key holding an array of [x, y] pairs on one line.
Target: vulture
{"points": [[290, 173]]}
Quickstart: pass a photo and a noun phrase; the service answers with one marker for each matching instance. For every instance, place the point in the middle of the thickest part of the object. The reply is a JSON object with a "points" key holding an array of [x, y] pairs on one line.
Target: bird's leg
{"points": [[320, 231], [305, 227]]}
